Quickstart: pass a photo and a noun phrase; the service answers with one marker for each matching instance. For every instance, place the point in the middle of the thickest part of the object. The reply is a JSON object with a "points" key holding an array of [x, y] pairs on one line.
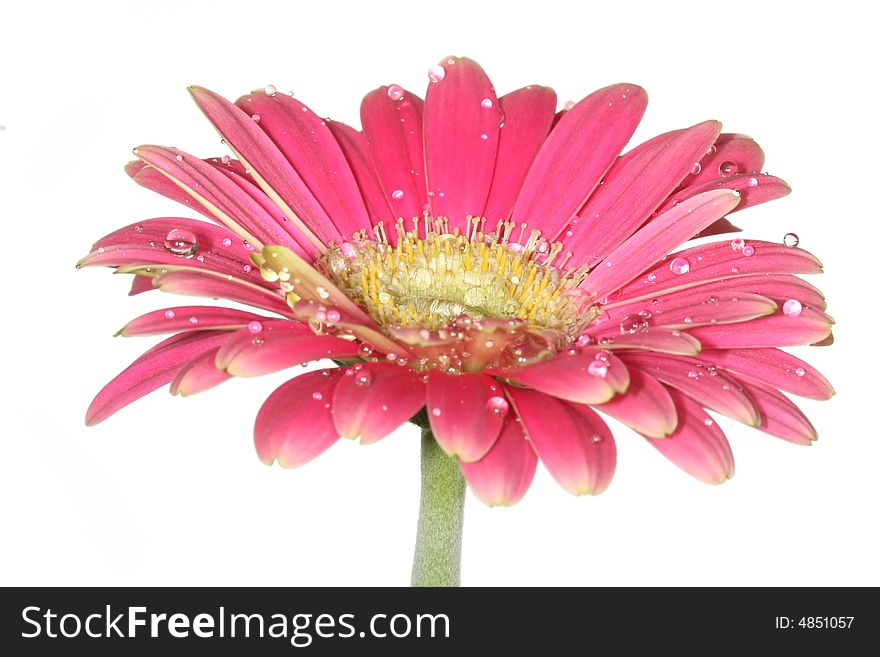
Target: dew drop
{"points": [[708, 422], [270, 90], [800, 371], [193, 320], [254, 327], [792, 308], [436, 412], [486, 103], [395, 92], [363, 378], [497, 405], [169, 314], [596, 439], [247, 269], [333, 316], [791, 240], [752, 182], [680, 266], [179, 158], [583, 340], [632, 324], [737, 244], [227, 241], [436, 73], [484, 136], [324, 294], [727, 169], [317, 396], [598, 368], [693, 374], [256, 118], [365, 349], [696, 168], [568, 105], [225, 159], [181, 242], [748, 250], [397, 194], [257, 342]]}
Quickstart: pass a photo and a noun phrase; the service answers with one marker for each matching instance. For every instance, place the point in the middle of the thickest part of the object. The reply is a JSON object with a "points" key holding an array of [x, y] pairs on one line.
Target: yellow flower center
{"points": [[428, 281]]}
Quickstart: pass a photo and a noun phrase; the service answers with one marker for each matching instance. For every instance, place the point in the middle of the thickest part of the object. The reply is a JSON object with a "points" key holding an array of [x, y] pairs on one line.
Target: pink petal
{"points": [[279, 344], [694, 307], [567, 377], [646, 406], [656, 239], [143, 243], [575, 156], [150, 178], [393, 134], [373, 399], [634, 187], [754, 189], [720, 227], [503, 476], [269, 168], [152, 370], [772, 367], [307, 143], [354, 147], [710, 389], [698, 445], [203, 283], [527, 115], [463, 419], [573, 443], [198, 375], [295, 424], [180, 318], [740, 150], [461, 140], [718, 261], [776, 330], [779, 416], [656, 339], [232, 207], [140, 284]]}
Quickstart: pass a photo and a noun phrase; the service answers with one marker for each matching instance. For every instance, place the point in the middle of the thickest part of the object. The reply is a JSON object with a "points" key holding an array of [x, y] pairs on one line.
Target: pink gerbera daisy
{"points": [[486, 266]]}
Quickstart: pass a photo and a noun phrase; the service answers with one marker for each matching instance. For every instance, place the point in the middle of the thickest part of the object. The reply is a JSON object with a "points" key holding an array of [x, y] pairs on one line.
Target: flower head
{"points": [[487, 259]]}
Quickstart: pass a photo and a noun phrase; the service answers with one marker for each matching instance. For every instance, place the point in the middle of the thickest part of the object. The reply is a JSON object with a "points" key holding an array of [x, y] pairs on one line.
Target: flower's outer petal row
{"points": [[720, 227], [778, 287], [576, 155], [231, 205], [464, 413], [393, 136], [646, 407], [754, 190], [295, 423], [373, 399], [772, 367], [305, 140], [461, 141], [188, 318], [633, 188], [713, 390], [778, 330], [740, 150], [572, 441], [780, 417], [690, 308], [698, 445], [150, 178], [568, 377], [354, 147], [652, 242], [140, 284], [504, 474], [143, 243], [198, 375], [278, 345], [656, 339], [714, 262], [150, 371], [526, 116], [268, 167]]}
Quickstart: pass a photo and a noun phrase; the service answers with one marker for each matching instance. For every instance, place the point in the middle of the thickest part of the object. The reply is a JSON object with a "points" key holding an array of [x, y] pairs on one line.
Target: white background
{"points": [[170, 491]]}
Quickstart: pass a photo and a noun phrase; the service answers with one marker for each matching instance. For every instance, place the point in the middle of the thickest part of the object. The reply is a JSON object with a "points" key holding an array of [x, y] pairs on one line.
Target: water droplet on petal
{"points": [[397, 194], [800, 371], [752, 182], [317, 396], [181, 241], [256, 118], [270, 90], [333, 316], [693, 374], [225, 159], [748, 250], [484, 136], [395, 92], [436, 412], [568, 104], [486, 103], [596, 439], [696, 168], [583, 340], [365, 349], [632, 324], [324, 294], [363, 378], [598, 368], [169, 314], [708, 422], [737, 244], [792, 308], [791, 240], [727, 169], [227, 241], [497, 405], [193, 320], [680, 266], [254, 327], [436, 73]]}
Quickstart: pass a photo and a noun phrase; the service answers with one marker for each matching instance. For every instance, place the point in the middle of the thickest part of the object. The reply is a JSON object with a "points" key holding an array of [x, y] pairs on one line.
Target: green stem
{"points": [[437, 559]]}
